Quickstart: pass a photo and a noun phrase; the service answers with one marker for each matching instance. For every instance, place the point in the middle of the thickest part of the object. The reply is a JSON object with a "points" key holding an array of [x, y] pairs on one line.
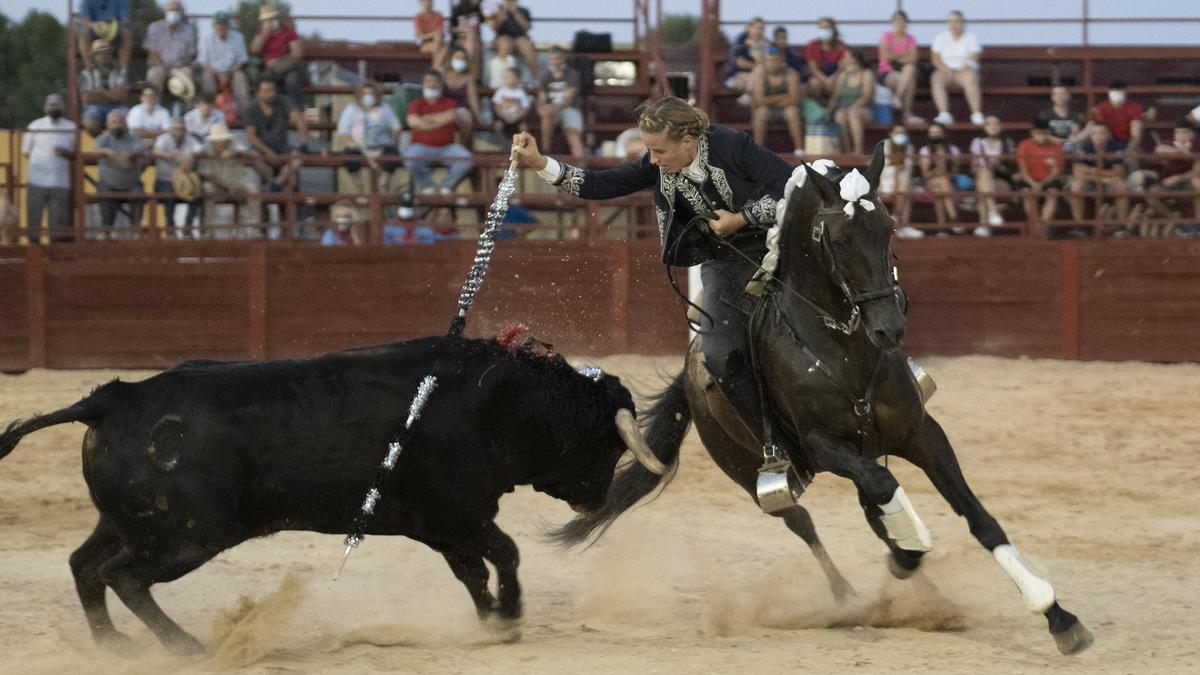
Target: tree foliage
{"points": [[33, 64]]}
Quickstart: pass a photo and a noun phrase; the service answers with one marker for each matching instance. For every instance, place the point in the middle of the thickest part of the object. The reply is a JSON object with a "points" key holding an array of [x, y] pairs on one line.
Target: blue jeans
{"points": [[456, 158]]}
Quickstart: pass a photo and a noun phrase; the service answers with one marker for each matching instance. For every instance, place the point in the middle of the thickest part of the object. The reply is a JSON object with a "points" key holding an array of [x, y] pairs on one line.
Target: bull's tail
{"points": [[88, 410], [664, 425]]}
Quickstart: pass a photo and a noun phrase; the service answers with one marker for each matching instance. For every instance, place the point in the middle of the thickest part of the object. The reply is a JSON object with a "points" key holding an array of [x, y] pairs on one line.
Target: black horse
{"points": [[827, 341]]}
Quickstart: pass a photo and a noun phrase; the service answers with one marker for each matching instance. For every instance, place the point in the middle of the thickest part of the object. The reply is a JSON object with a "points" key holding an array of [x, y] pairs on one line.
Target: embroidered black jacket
{"points": [[742, 176]]}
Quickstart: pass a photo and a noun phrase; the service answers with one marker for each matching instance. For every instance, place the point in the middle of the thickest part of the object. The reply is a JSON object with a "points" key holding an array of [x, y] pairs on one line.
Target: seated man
{"points": [[1042, 166], [99, 94], [1179, 172], [170, 43], [222, 55], [1098, 168], [101, 21], [228, 178], [281, 51], [172, 151], [1067, 127], [431, 119], [148, 119], [777, 94], [559, 103], [1121, 116], [267, 124], [122, 156], [512, 23]]}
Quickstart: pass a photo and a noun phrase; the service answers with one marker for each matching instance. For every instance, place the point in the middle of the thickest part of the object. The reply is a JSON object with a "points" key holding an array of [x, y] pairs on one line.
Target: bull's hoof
{"points": [[1075, 639], [902, 570], [185, 645]]}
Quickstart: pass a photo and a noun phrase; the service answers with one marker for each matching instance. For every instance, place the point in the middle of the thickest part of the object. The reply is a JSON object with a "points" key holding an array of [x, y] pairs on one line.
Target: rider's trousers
{"points": [[724, 336]]}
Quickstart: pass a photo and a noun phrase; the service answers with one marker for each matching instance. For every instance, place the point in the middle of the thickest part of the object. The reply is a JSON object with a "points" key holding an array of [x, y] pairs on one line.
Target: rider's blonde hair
{"points": [[674, 116]]}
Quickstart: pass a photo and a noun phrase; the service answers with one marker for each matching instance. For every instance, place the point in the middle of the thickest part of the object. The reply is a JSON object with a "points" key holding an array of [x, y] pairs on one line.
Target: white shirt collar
{"points": [[696, 171]]}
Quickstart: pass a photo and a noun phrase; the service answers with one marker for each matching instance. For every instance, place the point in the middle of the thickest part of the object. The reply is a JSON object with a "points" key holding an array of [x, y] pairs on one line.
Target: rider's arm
{"points": [[765, 168], [604, 184]]}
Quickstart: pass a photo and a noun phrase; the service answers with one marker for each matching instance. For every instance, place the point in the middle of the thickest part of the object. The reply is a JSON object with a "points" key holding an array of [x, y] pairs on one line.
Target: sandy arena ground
{"points": [[1090, 467]]}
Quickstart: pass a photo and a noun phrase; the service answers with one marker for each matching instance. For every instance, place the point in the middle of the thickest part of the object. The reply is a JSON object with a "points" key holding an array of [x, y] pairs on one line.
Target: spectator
{"points": [[1180, 171], [1193, 117], [824, 56], [1041, 166], [777, 94], [344, 231], [431, 119], [895, 181], [148, 119], [511, 103], [1098, 169], [281, 51], [850, 101], [939, 167], [466, 17], [228, 179], [956, 65], [199, 120], [499, 65], [429, 27], [267, 132], [745, 54], [898, 66], [630, 145], [104, 92], [49, 145], [222, 55], [779, 38], [1066, 126], [174, 150], [558, 102], [1122, 116], [995, 170], [102, 21], [459, 86], [120, 170], [512, 23], [170, 43], [368, 127]]}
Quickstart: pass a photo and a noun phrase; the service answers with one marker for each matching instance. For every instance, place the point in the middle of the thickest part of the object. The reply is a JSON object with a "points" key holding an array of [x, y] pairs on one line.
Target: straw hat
{"points": [[180, 84], [268, 12], [186, 184], [218, 133]]}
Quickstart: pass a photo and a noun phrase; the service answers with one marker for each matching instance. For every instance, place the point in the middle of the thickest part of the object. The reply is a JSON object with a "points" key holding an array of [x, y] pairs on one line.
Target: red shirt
{"points": [[1118, 119], [826, 59], [428, 23], [276, 44], [441, 136], [1040, 161]]}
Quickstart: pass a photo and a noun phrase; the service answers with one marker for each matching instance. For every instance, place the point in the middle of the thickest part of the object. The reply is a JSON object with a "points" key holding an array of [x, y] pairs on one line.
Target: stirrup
{"points": [[779, 485], [925, 382]]}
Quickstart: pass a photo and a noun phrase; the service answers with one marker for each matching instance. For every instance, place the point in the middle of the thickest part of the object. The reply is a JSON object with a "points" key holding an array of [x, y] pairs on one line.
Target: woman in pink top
{"points": [[898, 66]]}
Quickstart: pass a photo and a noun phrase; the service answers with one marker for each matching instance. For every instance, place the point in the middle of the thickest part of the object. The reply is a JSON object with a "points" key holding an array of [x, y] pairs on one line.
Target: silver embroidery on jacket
{"points": [[761, 211], [571, 180]]}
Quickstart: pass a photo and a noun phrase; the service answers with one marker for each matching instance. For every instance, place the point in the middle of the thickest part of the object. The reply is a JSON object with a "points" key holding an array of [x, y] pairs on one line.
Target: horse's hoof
{"points": [[504, 630], [1074, 639], [900, 571], [118, 643], [185, 645], [843, 592]]}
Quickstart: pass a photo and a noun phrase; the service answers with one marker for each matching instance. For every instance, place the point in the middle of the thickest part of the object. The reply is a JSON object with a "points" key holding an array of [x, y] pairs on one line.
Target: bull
{"points": [[206, 455]]}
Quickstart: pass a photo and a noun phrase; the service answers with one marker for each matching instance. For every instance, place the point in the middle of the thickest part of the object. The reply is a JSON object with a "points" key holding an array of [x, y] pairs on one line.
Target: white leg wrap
{"points": [[1036, 591], [903, 524]]}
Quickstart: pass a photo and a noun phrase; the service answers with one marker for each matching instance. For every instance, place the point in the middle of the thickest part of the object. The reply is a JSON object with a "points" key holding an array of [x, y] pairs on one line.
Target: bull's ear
{"points": [[875, 170], [825, 188]]}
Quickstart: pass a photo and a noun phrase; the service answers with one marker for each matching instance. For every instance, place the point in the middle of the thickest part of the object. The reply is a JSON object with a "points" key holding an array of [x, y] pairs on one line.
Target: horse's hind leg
{"points": [[100, 546], [932, 452]]}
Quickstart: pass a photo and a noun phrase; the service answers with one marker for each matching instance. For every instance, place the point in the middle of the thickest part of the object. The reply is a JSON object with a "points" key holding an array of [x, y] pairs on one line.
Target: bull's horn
{"points": [[627, 428]]}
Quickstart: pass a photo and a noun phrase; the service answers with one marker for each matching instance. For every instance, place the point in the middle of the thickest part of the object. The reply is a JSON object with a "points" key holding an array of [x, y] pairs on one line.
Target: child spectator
{"points": [[1041, 166], [850, 101], [431, 119], [344, 230], [745, 54], [199, 120], [499, 65], [939, 166], [1122, 116], [511, 103], [1066, 126], [558, 102], [170, 43], [429, 27], [1098, 168], [777, 94], [369, 128], [956, 65], [991, 156], [779, 38], [148, 119], [281, 51], [824, 56], [460, 87], [895, 180], [512, 23], [898, 66]]}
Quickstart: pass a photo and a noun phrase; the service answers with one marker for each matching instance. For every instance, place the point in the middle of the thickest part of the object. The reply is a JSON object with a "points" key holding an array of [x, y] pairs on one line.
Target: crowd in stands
{"points": [[233, 125]]}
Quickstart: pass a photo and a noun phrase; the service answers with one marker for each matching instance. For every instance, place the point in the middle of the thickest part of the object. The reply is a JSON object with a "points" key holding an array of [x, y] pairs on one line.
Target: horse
{"points": [[827, 337]]}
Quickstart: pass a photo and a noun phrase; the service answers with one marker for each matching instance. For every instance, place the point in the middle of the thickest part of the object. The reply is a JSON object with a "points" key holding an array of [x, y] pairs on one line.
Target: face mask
{"points": [[824, 33], [431, 94], [1116, 97], [368, 100], [54, 113], [900, 139], [174, 17], [406, 212], [117, 132], [343, 225], [936, 140], [458, 65]]}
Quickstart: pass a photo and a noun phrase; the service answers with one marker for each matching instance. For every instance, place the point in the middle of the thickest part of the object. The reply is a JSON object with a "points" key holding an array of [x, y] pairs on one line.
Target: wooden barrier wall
{"points": [[151, 305]]}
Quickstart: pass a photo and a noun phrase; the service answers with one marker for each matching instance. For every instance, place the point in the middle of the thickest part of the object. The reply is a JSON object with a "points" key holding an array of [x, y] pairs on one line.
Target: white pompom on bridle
{"points": [[853, 187]]}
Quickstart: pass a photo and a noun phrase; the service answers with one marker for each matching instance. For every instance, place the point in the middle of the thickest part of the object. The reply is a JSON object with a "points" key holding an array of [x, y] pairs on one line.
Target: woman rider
{"points": [[715, 197]]}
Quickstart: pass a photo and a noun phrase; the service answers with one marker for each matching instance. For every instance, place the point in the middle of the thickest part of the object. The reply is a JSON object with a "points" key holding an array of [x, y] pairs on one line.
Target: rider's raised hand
{"points": [[525, 151]]}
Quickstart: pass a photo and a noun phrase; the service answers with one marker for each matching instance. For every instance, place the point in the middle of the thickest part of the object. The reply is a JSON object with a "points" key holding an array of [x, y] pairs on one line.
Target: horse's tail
{"points": [[89, 411], [664, 426]]}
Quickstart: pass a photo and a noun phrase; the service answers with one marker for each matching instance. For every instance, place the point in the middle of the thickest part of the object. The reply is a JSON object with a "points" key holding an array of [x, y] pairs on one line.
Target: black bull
{"points": [[207, 455]]}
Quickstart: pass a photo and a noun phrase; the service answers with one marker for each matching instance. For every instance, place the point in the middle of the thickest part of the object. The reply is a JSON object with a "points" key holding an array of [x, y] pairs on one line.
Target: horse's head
{"points": [[851, 238]]}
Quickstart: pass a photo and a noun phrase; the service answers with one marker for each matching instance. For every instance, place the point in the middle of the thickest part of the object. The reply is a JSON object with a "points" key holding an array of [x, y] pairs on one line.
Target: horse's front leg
{"points": [[931, 450], [884, 503]]}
